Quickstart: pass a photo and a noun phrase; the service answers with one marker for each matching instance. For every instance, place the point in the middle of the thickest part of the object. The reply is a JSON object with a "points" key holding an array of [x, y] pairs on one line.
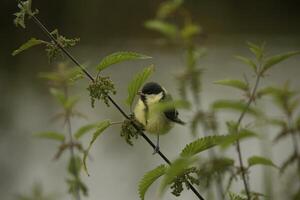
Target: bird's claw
{"points": [[156, 150]]}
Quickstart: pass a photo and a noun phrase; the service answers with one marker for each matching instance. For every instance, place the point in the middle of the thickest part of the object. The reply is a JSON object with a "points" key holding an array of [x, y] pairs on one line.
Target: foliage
{"points": [[101, 89], [25, 10], [99, 129], [130, 129], [175, 24], [135, 85], [149, 178], [118, 57]]}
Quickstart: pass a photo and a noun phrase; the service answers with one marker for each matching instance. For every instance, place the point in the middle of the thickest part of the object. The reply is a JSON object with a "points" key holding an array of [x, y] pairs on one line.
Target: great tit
{"points": [[155, 122]]}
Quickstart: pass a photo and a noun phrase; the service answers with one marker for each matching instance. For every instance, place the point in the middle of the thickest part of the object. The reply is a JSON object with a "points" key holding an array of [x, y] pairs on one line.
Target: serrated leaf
{"points": [[167, 29], [135, 85], [118, 57], [234, 83], [248, 62], [272, 61], [176, 169], [258, 160], [233, 137], [30, 43], [201, 145], [51, 135], [100, 128], [149, 178], [83, 130], [234, 105]]}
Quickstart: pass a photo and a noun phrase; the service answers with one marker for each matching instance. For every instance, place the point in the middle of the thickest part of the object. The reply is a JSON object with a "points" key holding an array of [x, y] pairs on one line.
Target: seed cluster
{"points": [[101, 89]]}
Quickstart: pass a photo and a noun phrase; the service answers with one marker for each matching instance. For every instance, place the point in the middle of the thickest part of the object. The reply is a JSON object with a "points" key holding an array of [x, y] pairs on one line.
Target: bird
{"points": [[159, 122]]}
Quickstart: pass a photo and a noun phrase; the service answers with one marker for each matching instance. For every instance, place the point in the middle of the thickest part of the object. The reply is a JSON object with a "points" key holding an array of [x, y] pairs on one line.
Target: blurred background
{"points": [[113, 25]]}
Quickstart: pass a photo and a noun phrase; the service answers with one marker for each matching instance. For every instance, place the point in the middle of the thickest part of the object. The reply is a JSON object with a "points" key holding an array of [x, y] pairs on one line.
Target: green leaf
{"points": [[233, 137], [74, 166], [84, 129], [30, 43], [149, 178], [167, 29], [201, 144], [176, 169], [258, 160], [256, 50], [270, 62], [168, 105], [100, 128], [234, 83], [189, 31], [234, 105], [118, 57], [51, 135], [135, 85], [248, 62]]}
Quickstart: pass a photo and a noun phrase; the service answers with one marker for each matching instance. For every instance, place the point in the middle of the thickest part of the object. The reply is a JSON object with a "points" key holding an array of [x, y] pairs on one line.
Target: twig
{"points": [[89, 76], [68, 120], [238, 146]]}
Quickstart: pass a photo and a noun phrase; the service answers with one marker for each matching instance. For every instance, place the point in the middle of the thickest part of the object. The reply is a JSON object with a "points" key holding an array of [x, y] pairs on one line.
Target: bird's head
{"points": [[152, 93]]}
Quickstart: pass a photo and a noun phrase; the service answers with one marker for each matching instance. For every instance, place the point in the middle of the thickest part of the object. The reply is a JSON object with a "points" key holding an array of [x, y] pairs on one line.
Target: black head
{"points": [[152, 88]]}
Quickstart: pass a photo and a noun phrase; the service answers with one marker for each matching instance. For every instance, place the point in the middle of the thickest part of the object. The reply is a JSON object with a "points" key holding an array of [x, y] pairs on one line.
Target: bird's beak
{"points": [[141, 94]]}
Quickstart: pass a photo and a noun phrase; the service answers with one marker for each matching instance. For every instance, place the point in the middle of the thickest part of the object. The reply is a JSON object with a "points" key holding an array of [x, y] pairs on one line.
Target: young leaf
{"points": [[118, 57], [234, 105], [258, 160], [167, 29], [270, 62], [201, 144], [189, 31], [100, 128], [51, 135], [248, 62], [83, 130], [234, 83], [30, 43], [177, 168], [149, 178], [137, 83]]}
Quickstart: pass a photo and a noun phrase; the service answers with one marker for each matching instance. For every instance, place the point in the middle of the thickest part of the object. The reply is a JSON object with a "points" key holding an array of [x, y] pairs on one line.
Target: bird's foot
{"points": [[156, 150]]}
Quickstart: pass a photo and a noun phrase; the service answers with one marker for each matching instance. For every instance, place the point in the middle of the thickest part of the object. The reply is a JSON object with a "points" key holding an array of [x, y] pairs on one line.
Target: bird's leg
{"points": [[156, 149]]}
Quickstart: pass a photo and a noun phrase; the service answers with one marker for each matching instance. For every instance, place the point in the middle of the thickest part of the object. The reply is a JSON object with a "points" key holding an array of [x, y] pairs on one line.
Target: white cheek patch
{"points": [[154, 98]]}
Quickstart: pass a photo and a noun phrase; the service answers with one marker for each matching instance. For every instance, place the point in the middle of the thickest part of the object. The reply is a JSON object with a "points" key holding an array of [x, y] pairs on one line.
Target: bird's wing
{"points": [[172, 114]]}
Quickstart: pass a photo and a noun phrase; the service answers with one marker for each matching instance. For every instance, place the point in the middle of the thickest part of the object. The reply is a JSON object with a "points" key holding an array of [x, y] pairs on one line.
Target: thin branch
{"points": [[238, 146], [89, 76], [69, 127]]}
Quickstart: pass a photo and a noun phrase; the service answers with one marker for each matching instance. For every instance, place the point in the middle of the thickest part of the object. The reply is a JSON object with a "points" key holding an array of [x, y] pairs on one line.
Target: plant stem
{"points": [[89, 76], [238, 145], [294, 141], [68, 120]]}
